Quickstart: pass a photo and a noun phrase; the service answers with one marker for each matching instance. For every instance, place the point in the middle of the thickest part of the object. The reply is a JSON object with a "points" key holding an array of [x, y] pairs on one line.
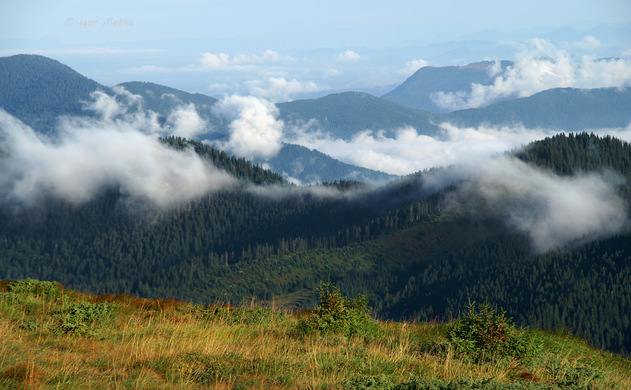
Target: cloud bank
{"points": [[223, 60], [118, 148], [254, 129], [408, 151], [552, 210], [278, 89], [540, 65], [349, 56]]}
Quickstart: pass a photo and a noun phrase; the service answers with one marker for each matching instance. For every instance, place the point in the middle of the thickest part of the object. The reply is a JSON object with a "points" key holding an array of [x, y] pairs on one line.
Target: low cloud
{"points": [[349, 56], [117, 149], [588, 43], [278, 89], [185, 122], [407, 151], [280, 193], [539, 66], [224, 60], [552, 210], [149, 69], [412, 66], [254, 129]]}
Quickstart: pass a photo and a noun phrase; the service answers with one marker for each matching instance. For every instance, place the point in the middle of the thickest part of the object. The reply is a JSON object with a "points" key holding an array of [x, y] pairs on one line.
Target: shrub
{"points": [[362, 382], [485, 333], [35, 287], [79, 318], [336, 313]]}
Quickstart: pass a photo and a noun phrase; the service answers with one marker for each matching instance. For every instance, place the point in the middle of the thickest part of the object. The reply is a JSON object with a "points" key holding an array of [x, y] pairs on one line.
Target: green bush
{"points": [[80, 318], [336, 314], [485, 333], [35, 287], [573, 374], [362, 382]]}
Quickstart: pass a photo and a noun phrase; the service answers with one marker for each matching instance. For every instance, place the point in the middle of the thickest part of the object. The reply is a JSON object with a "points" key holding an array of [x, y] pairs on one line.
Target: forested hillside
{"points": [[562, 109], [112, 245], [401, 245], [344, 114], [37, 90], [312, 166]]}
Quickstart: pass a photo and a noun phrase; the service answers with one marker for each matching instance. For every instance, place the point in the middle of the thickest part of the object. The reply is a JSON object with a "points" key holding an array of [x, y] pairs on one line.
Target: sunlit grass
{"points": [[156, 344]]}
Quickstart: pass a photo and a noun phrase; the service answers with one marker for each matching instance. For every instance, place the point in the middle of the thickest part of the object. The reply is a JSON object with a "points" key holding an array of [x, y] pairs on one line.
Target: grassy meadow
{"points": [[54, 338]]}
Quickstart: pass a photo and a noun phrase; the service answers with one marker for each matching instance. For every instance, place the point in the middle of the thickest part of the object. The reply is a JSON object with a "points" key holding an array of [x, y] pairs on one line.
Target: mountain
{"points": [[418, 90], [310, 166], [564, 109], [345, 114], [38, 89]]}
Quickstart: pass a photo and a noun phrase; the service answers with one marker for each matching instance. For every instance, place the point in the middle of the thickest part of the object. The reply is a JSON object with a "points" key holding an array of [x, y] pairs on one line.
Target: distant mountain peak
{"points": [[418, 90]]}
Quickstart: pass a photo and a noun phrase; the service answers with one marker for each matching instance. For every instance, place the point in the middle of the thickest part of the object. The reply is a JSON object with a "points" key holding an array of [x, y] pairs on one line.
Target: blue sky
{"points": [[286, 49]]}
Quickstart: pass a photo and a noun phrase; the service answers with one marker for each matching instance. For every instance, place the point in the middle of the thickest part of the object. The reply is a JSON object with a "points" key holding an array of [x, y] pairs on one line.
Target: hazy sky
{"points": [[281, 49]]}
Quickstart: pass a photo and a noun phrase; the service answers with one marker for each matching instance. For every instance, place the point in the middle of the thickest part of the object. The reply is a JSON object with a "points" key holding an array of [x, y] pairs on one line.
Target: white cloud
{"points": [[279, 193], [408, 151], [105, 105], [413, 65], [267, 56], [279, 89], [185, 122], [149, 69], [349, 56], [89, 155], [254, 129], [588, 43], [223, 60], [540, 66], [212, 60], [332, 72], [552, 210]]}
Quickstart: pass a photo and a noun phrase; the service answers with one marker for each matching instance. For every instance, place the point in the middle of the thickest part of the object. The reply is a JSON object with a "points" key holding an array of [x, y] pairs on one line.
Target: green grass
{"points": [[57, 338]]}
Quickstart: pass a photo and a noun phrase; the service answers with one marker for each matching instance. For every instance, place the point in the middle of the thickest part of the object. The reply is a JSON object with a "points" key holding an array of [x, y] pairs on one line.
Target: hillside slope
{"points": [[344, 114], [562, 109], [38, 89], [55, 337], [311, 166]]}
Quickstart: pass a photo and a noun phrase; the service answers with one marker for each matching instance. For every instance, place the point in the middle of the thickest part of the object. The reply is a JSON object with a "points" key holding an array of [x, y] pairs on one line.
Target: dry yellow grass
{"points": [[142, 344]]}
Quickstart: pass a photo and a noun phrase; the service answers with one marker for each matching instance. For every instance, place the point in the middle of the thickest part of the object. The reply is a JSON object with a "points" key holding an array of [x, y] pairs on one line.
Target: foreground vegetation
{"points": [[58, 338]]}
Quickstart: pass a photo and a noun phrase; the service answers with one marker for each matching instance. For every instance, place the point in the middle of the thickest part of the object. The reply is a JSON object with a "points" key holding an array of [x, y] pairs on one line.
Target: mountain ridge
{"points": [[34, 84], [417, 90]]}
